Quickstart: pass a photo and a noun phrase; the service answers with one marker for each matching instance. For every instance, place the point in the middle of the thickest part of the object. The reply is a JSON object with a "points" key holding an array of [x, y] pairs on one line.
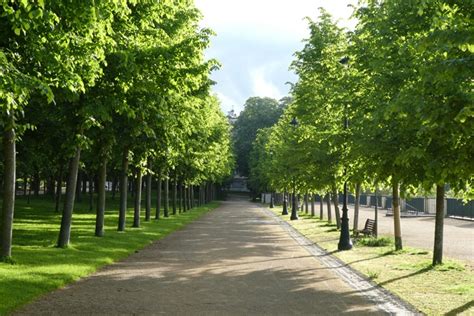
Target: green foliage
{"points": [[375, 242], [122, 76], [260, 163], [405, 89], [258, 113]]}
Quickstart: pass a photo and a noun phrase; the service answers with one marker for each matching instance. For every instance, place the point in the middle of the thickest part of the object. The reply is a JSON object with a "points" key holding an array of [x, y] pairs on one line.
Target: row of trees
{"points": [[112, 88], [387, 105]]}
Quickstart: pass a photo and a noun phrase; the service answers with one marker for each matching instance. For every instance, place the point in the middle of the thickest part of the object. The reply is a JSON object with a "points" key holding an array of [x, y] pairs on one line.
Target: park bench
{"points": [[369, 228]]}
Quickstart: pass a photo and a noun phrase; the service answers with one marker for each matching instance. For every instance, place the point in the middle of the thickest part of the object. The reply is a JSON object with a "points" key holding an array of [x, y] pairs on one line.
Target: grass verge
{"points": [[445, 289], [39, 267]]}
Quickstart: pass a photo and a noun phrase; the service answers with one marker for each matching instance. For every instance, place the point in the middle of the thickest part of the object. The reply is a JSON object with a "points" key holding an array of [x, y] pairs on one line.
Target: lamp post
{"points": [[345, 242], [294, 211]]}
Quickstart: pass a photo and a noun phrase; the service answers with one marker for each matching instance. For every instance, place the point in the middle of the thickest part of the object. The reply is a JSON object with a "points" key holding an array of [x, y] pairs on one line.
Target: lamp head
{"points": [[344, 61], [294, 122]]}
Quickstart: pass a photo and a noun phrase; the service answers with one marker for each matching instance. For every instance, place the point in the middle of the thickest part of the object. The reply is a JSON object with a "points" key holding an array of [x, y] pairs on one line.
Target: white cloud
{"points": [[227, 103], [261, 86], [256, 40]]}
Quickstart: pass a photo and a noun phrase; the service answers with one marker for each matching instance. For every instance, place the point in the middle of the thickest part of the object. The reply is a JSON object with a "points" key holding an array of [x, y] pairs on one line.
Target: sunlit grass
{"points": [[444, 289], [41, 267]]}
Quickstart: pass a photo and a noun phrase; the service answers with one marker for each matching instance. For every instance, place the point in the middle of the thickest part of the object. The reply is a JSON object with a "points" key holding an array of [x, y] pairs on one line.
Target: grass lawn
{"points": [[40, 267], [446, 289]]}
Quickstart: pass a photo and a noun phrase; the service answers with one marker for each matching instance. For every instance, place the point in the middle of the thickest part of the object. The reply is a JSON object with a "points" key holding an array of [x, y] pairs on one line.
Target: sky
{"points": [[255, 43]]}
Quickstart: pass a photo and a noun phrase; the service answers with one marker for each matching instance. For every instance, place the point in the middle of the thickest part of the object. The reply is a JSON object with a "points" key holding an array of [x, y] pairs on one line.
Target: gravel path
{"points": [[236, 260]]}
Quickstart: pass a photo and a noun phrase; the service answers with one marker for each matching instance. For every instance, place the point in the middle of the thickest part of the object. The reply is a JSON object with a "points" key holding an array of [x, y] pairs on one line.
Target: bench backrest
{"points": [[369, 224]]}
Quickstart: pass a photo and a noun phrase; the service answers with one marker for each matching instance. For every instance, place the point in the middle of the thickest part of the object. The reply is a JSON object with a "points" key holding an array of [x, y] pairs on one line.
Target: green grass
{"points": [[445, 289], [374, 242], [39, 267]]}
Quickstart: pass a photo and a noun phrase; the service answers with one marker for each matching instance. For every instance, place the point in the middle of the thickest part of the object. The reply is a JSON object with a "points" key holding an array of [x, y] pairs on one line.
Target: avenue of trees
{"points": [[111, 91], [389, 105]]}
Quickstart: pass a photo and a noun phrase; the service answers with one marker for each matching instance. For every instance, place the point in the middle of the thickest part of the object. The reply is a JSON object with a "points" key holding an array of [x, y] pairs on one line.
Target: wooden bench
{"points": [[369, 228]]}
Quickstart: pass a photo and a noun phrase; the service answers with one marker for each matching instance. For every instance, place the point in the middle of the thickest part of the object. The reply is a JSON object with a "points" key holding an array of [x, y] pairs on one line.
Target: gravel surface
{"points": [[236, 260]]}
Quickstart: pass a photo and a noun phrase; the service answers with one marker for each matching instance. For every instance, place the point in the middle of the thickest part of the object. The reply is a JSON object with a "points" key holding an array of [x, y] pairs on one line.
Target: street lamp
{"points": [[294, 211], [345, 242]]}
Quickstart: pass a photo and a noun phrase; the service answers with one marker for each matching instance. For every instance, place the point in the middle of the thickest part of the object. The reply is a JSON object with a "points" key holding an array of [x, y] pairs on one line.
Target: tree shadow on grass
{"points": [[421, 271], [460, 309]]}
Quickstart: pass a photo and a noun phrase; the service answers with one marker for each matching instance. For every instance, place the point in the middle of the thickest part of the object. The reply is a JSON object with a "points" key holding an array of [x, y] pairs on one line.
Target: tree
{"points": [[258, 113]]}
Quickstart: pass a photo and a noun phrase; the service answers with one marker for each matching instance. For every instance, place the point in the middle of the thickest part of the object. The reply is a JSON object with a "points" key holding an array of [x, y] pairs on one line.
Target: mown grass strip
{"points": [[40, 267], [445, 289]]}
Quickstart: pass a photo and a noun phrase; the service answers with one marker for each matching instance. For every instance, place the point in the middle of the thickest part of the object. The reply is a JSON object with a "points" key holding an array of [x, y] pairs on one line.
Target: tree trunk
{"points": [[191, 190], [99, 220], [328, 202], [25, 184], [321, 208], [439, 226], [356, 207], [306, 203], [37, 184], [189, 198], [312, 205], [181, 205], [185, 198], [59, 187], [396, 215], [376, 225], [200, 195], [138, 199], [148, 195], [132, 185], [335, 200], [123, 191], [167, 197], [8, 203], [66, 219], [175, 194], [203, 195], [158, 198]]}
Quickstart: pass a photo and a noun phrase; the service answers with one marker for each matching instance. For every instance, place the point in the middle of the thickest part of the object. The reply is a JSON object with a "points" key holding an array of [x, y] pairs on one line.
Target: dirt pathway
{"points": [[236, 260]]}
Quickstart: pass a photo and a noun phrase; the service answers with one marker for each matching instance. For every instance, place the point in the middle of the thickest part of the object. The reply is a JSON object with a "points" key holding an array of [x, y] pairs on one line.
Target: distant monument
{"points": [[238, 182], [232, 116]]}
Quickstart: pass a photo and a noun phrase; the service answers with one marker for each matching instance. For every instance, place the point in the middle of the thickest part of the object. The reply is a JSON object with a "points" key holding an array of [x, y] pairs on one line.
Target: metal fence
{"points": [[453, 207], [459, 209], [415, 205]]}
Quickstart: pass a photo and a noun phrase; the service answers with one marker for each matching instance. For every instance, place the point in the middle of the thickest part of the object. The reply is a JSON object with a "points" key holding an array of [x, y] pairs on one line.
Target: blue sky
{"points": [[255, 43]]}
